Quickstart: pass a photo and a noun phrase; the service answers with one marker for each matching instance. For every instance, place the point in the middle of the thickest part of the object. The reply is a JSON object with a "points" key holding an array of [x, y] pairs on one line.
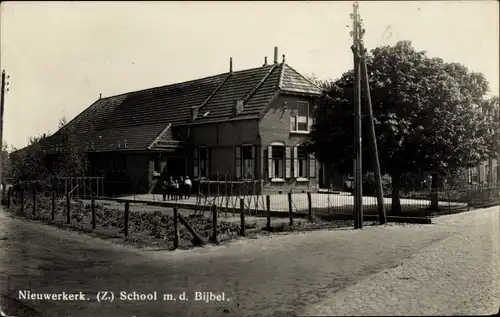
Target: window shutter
{"points": [[270, 161], [195, 163], [312, 165], [238, 161], [288, 162], [254, 161], [209, 152], [295, 162]]}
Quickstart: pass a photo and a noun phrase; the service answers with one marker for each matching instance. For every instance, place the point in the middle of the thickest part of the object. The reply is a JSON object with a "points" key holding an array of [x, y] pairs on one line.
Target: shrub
{"points": [[369, 188]]}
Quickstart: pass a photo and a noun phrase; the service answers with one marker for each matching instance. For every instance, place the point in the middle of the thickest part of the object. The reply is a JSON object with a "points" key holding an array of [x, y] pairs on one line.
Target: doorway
{"points": [[176, 166]]}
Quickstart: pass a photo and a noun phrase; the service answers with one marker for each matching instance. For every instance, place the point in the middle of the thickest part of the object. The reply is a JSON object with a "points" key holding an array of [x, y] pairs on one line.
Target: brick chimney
{"points": [[276, 55], [237, 107], [230, 64], [194, 113]]}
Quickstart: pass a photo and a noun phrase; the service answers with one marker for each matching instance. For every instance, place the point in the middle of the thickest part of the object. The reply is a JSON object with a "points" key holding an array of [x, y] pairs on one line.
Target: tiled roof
{"points": [[238, 86], [293, 81], [124, 138], [140, 117]]}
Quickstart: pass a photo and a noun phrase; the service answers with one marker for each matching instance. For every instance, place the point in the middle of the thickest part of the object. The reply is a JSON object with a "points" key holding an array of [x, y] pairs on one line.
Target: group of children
{"points": [[176, 189]]}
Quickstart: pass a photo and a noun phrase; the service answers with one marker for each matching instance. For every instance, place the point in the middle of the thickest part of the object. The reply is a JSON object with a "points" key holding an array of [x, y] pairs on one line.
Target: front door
{"points": [[321, 180], [176, 166]]}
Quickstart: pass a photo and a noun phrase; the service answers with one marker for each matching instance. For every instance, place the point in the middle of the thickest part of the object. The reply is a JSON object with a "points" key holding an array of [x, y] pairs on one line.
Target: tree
{"points": [[37, 162], [320, 83], [491, 109], [426, 114], [29, 162], [72, 160]]}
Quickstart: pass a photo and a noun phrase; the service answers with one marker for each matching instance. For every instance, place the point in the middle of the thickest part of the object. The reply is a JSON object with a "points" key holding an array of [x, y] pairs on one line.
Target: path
{"points": [[278, 275], [458, 276], [279, 203]]}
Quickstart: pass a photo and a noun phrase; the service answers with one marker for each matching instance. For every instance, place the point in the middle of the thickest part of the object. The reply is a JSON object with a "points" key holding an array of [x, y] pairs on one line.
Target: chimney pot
{"points": [[100, 96], [283, 58], [276, 55], [230, 64], [265, 60]]}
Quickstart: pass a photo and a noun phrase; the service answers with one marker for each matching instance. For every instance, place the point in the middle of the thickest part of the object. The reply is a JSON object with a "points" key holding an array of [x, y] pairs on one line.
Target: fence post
{"points": [[214, 223], [290, 211], [68, 209], [92, 209], [22, 201], [34, 201], [4, 193], [127, 210], [242, 217], [309, 206], [176, 228], [268, 212], [53, 211]]}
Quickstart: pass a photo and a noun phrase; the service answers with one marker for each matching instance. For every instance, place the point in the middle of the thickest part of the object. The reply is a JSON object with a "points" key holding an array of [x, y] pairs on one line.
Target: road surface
{"points": [[450, 267]]}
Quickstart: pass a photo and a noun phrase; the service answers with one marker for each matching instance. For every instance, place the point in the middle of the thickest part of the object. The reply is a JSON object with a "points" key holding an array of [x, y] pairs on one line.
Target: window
{"points": [[157, 164], [195, 163], [300, 162], [279, 161], [118, 164], [304, 163], [204, 161], [245, 162], [300, 120]]}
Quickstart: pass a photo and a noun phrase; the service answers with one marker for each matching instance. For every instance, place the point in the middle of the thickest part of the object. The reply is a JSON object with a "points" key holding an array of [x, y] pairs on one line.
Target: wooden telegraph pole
{"points": [[373, 137], [498, 146], [2, 99], [361, 72], [358, 187]]}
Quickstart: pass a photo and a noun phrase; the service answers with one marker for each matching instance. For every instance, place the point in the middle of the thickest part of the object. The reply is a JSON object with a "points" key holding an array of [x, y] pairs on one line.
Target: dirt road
{"points": [[280, 275]]}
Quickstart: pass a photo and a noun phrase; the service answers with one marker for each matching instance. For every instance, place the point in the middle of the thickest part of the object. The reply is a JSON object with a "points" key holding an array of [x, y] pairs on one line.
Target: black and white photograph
{"points": [[249, 158]]}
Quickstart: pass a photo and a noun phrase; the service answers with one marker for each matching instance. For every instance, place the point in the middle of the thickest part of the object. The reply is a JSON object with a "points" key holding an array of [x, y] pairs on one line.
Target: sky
{"points": [[61, 55]]}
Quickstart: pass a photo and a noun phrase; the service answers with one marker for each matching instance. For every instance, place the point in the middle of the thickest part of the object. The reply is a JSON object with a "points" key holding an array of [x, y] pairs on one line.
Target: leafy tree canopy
{"points": [[429, 115]]}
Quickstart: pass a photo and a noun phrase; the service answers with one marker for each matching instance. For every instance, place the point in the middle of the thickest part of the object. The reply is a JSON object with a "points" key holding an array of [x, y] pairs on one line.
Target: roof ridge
{"points": [[282, 74], [160, 135], [316, 86], [259, 84], [214, 92], [182, 82]]}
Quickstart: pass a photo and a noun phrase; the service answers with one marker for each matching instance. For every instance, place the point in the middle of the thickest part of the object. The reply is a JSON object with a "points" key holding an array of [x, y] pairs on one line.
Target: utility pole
{"points": [[373, 138], [498, 145], [358, 187], [2, 99]]}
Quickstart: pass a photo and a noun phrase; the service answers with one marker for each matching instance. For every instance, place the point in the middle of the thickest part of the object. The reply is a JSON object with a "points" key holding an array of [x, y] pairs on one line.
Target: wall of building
{"points": [[137, 170], [221, 138], [275, 127]]}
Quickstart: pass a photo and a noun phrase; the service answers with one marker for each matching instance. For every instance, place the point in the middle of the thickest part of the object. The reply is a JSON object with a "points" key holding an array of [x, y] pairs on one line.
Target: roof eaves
{"points": [[240, 118], [300, 92], [162, 133]]}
